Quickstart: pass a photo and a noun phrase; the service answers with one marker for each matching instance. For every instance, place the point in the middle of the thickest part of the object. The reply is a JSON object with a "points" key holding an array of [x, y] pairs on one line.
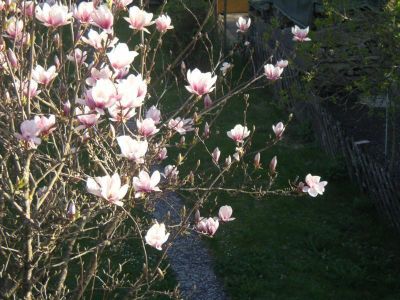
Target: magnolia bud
{"points": [[195, 117], [183, 211], [57, 62], [215, 155], [2, 44], [257, 157], [112, 132], [145, 269], [8, 98], [272, 165], [12, 58], [67, 108], [197, 216], [183, 67], [207, 101], [206, 131], [57, 40], [191, 177], [182, 140], [71, 210], [228, 161], [85, 137], [160, 272], [236, 156]]}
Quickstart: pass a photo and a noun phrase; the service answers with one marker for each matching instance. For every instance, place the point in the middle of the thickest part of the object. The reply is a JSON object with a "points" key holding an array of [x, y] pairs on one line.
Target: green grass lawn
{"points": [[330, 247]]}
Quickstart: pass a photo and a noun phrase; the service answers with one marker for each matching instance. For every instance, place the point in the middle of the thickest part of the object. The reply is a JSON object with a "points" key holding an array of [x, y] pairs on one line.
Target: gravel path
{"points": [[189, 258]]}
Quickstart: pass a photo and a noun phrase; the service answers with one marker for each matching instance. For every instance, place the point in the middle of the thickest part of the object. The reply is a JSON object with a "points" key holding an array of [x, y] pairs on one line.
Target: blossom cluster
{"points": [[115, 92]]}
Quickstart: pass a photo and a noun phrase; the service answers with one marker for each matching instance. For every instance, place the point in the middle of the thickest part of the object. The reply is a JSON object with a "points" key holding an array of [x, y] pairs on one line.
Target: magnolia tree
{"points": [[85, 143]]}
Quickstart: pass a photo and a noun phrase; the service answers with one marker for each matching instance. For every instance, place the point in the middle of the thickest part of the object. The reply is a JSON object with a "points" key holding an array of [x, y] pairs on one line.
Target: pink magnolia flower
{"points": [[146, 184], [272, 165], [272, 73], [28, 8], [154, 114], [132, 149], [121, 4], [225, 213], [139, 19], [208, 226], [102, 17], [46, 125], [238, 133], [102, 95], [83, 12], [108, 188], [282, 63], [146, 127], [162, 154], [163, 23], [95, 74], [257, 159], [171, 171], [121, 73], [86, 118], [156, 236], [181, 125], [43, 76], [12, 58], [215, 155], [29, 133], [131, 91], [29, 88], [207, 101], [120, 56], [314, 186], [278, 129], [300, 35], [200, 83], [119, 114], [14, 28], [78, 56], [53, 16], [243, 24], [99, 40]]}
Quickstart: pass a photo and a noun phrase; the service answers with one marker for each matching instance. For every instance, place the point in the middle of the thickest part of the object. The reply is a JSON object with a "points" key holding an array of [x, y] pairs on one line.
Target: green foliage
{"points": [[349, 55]]}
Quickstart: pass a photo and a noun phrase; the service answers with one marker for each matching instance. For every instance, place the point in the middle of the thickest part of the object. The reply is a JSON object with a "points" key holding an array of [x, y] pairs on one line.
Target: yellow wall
{"points": [[234, 6]]}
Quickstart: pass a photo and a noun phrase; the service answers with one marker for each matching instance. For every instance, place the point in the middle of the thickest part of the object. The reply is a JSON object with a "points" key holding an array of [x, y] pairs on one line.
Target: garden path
{"points": [[189, 257]]}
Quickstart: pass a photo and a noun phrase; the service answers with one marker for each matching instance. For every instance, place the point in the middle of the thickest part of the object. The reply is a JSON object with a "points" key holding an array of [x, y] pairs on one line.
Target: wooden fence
{"points": [[369, 174]]}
